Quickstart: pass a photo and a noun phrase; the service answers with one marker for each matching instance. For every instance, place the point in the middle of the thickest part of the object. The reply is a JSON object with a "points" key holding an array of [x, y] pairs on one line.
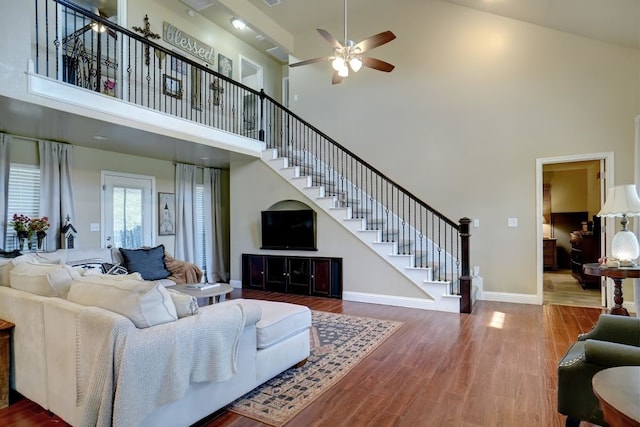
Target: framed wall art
{"points": [[225, 66], [172, 86], [178, 66], [166, 214]]}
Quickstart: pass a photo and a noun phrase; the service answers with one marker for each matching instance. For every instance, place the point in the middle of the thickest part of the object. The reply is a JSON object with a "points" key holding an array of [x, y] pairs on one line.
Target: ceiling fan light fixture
{"points": [[344, 71], [238, 23], [355, 63], [98, 28], [338, 63]]}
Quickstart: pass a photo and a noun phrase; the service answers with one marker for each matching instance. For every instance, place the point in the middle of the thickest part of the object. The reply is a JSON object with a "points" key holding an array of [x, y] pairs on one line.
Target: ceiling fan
{"points": [[350, 55]]}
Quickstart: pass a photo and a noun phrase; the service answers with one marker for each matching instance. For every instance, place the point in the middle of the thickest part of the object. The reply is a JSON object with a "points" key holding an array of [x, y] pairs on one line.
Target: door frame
{"points": [[608, 159], [150, 205]]}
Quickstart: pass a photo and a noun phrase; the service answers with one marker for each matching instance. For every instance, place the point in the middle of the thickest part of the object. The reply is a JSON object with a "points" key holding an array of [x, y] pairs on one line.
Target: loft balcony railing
{"points": [[80, 48]]}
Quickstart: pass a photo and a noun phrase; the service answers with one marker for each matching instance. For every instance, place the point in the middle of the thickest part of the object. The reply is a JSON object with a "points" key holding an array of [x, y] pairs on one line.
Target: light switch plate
{"points": [[95, 226], [476, 223]]}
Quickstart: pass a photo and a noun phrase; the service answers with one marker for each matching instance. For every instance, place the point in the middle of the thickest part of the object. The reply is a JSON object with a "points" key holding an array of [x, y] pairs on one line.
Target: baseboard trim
{"points": [[236, 283], [509, 297], [397, 301]]}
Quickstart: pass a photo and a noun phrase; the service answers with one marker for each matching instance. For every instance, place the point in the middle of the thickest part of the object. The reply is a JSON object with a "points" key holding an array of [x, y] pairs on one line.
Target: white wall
{"points": [[474, 100], [174, 12]]}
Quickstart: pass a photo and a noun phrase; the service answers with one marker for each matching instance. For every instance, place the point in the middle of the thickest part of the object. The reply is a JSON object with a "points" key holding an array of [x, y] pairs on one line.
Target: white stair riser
{"points": [[291, 172], [314, 192], [301, 182], [354, 225]]}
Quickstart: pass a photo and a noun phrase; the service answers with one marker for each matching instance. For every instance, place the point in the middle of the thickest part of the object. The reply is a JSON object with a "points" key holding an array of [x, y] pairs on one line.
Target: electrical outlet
{"points": [[95, 226], [512, 222], [476, 223]]}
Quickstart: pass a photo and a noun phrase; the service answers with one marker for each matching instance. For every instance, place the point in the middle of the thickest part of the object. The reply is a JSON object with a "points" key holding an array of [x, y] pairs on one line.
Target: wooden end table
{"points": [[5, 361], [618, 391], [617, 274], [214, 294]]}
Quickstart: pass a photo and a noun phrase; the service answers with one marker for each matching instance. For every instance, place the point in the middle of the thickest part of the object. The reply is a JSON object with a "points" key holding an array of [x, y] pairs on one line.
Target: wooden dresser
{"points": [[549, 254], [585, 248]]}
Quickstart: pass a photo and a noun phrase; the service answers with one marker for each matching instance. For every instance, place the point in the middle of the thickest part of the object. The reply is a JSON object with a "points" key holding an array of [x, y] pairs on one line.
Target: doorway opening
{"points": [[570, 193]]}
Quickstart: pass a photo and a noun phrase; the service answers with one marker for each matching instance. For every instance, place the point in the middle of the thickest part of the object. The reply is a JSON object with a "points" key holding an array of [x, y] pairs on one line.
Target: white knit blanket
{"points": [[124, 373]]}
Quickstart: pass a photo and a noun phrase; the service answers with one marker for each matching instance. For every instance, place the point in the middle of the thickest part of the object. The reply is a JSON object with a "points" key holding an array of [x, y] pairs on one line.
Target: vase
{"points": [[22, 237], [40, 235]]}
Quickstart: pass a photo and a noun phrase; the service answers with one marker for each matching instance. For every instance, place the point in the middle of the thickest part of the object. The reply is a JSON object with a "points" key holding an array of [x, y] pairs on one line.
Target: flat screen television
{"points": [[289, 230]]}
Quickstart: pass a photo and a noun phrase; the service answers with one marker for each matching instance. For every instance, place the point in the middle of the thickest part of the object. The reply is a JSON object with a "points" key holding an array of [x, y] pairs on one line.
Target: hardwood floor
{"points": [[494, 367]]}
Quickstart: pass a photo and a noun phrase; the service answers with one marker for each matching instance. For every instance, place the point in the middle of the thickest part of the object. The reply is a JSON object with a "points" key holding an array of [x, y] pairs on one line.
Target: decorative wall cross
{"points": [[217, 89], [147, 34]]}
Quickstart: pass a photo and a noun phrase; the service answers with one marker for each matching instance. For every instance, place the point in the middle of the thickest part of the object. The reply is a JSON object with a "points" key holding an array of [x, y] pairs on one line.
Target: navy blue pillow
{"points": [[148, 262]]}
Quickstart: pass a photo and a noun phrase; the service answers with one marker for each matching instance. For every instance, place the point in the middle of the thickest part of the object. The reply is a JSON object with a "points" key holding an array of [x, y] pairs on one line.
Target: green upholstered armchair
{"points": [[614, 341]]}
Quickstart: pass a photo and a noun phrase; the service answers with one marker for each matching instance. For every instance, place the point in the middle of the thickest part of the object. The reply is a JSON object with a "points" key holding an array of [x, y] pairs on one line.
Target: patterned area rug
{"points": [[338, 343]]}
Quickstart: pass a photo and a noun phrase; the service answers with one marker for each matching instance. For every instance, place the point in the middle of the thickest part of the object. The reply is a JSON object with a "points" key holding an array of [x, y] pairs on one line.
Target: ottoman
{"points": [[282, 335]]}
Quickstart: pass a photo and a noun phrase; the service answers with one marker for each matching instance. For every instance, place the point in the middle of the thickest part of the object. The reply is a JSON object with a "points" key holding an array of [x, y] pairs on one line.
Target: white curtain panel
{"points": [[56, 188], [214, 256], [5, 165], [186, 212], [636, 220]]}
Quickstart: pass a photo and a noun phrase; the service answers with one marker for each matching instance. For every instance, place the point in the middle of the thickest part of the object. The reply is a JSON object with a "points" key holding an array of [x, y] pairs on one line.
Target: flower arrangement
{"points": [[39, 225], [108, 87], [20, 223]]}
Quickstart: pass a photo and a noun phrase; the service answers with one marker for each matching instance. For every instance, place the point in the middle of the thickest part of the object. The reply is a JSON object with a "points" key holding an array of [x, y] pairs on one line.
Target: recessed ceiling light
{"points": [[99, 137], [259, 37], [238, 23]]}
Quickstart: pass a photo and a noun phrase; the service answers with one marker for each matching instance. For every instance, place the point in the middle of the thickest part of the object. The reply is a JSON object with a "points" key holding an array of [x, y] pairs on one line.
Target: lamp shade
{"points": [[621, 200]]}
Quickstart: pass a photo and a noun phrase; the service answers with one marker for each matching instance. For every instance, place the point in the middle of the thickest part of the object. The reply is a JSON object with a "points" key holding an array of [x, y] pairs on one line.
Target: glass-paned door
{"points": [[127, 210]]}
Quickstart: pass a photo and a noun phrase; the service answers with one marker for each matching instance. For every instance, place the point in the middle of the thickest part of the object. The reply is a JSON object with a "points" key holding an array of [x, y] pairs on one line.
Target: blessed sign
{"points": [[187, 43]]}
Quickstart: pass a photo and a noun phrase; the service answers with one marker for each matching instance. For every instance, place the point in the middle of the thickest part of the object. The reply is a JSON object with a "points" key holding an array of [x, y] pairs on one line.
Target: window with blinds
{"points": [[24, 197], [200, 240]]}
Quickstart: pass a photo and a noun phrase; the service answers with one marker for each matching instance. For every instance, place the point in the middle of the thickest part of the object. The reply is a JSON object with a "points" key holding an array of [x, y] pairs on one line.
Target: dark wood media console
{"points": [[317, 276]]}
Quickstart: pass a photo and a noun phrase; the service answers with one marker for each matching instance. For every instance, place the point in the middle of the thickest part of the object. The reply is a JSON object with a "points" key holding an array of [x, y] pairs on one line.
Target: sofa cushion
{"points": [[48, 280], [280, 321], [186, 305], [7, 266], [144, 303], [149, 262]]}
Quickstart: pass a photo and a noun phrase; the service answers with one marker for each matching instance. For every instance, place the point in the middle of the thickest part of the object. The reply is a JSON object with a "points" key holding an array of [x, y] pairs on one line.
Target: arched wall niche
{"points": [[288, 205]]}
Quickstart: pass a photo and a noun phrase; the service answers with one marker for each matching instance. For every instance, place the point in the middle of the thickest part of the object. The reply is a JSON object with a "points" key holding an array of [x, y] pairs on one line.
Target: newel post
{"points": [[261, 132], [465, 277]]}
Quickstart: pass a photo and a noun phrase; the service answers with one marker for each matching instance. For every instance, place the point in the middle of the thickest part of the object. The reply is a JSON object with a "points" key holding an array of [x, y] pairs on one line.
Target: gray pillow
{"points": [[149, 262]]}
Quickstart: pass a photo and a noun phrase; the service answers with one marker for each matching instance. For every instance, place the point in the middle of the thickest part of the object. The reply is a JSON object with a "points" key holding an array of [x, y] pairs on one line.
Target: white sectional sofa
{"points": [[93, 366]]}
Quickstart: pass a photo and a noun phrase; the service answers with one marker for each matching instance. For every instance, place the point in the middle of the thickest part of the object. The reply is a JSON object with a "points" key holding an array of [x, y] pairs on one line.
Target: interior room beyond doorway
{"points": [[571, 232]]}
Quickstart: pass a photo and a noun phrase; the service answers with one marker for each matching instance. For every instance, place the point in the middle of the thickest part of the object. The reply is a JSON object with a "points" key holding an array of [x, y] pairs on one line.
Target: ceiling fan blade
{"points": [[377, 64], [311, 61], [336, 78], [375, 41], [77, 33], [328, 37]]}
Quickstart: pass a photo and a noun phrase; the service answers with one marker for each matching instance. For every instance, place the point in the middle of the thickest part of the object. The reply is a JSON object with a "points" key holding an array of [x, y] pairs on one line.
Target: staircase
{"points": [[422, 261]]}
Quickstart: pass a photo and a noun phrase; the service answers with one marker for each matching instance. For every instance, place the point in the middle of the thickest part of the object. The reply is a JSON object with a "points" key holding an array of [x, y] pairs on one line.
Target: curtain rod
{"points": [[29, 138]]}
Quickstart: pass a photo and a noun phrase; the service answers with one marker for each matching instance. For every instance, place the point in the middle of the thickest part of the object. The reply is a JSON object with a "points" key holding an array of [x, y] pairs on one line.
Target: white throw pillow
{"points": [[48, 280], [144, 303], [5, 278], [186, 305]]}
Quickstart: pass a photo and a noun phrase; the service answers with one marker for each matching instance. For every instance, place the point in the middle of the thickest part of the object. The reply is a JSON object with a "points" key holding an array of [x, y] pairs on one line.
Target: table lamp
{"points": [[622, 201]]}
